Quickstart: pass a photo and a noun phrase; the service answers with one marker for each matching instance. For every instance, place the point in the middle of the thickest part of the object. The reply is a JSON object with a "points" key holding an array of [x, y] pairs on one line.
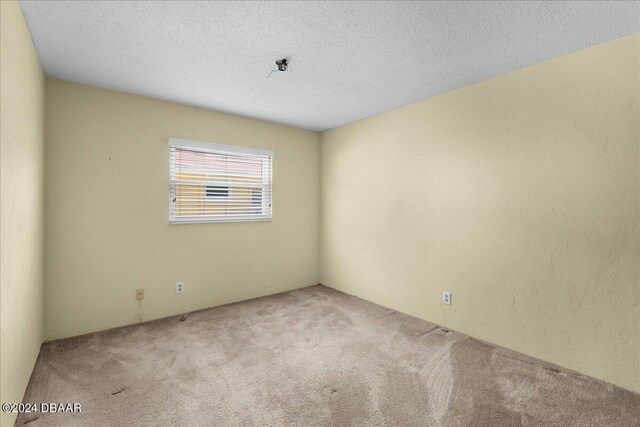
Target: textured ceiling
{"points": [[348, 60]]}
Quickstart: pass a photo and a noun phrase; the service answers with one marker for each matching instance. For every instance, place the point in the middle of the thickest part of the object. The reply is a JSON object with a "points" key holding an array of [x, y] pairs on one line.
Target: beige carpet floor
{"points": [[310, 357]]}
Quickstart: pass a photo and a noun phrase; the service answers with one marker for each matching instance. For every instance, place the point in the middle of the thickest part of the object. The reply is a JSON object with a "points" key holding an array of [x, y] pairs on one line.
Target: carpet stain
{"points": [[69, 344]]}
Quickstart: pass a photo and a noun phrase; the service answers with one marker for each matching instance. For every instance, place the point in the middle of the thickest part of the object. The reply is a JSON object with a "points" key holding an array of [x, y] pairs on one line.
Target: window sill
{"points": [[218, 220]]}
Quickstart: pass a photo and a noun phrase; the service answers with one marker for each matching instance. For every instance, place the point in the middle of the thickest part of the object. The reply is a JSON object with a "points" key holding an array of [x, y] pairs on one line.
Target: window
{"points": [[216, 183]]}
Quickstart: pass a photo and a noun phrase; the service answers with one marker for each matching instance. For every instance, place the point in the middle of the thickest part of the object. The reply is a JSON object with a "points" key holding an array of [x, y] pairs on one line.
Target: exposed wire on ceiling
{"points": [[282, 64]]}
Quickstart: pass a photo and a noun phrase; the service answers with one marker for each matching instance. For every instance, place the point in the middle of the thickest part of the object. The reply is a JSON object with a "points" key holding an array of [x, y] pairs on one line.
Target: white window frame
{"points": [[211, 147]]}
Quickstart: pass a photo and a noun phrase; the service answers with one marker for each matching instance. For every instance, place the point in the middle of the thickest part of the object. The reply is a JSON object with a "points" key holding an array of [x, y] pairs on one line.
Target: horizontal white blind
{"points": [[213, 182]]}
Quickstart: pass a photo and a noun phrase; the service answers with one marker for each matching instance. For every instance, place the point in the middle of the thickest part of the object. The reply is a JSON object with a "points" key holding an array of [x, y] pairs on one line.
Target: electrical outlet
{"points": [[139, 294], [446, 297], [179, 287]]}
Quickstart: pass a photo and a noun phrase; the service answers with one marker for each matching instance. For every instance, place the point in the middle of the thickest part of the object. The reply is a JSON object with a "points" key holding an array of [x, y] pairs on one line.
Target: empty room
{"points": [[320, 213]]}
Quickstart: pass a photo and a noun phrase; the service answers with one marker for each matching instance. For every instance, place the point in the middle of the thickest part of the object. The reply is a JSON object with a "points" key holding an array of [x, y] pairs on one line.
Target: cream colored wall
{"points": [[519, 194], [107, 229], [22, 211]]}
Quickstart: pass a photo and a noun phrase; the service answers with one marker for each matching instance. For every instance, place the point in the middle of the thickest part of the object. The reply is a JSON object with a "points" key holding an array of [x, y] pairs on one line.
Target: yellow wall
{"points": [[519, 194], [107, 229], [22, 211]]}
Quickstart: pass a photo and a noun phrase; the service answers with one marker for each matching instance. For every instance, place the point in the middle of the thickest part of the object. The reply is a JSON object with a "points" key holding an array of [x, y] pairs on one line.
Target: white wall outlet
{"points": [[446, 297], [179, 287]]}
